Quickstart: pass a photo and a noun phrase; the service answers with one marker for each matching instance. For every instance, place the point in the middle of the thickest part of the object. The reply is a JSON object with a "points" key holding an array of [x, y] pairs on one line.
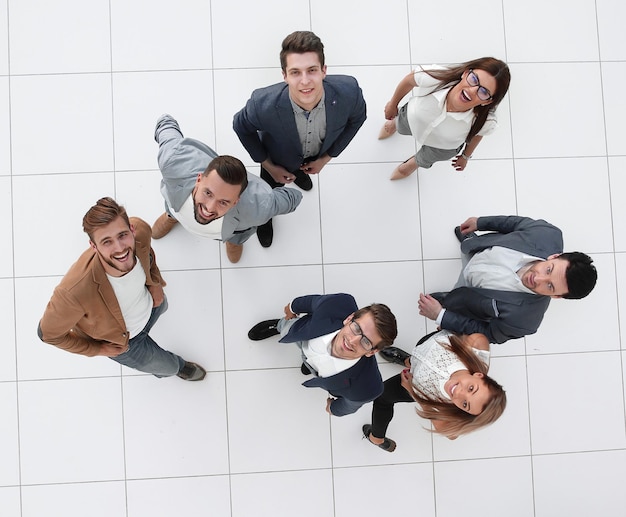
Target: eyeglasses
{"points": [[472, 80], [364, 342]]}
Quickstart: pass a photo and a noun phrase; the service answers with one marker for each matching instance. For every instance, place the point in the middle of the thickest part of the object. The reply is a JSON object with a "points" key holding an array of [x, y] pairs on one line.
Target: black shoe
{"points": [[304, 181], [263, 330], [265, 233], [191, 372], [305, 369], [395, 355], [462, 237], [388, 445]]}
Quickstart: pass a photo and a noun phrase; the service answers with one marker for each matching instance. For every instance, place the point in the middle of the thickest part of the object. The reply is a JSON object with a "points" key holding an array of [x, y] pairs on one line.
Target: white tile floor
{"points": [[81, 86]]}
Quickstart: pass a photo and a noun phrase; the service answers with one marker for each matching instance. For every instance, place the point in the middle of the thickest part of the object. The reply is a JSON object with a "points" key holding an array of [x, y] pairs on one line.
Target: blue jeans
{"points": [[145, 355]]}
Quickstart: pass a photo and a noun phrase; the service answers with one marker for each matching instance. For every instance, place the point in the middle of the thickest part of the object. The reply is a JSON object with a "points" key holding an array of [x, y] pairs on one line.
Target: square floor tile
{"points": [[60, 423], [272, 407], [77, 41], [5, 127], [171, 427], [560, 427], [579, 484], [614, 74], [10, 498], [9, 440], [611, 33], [75, 130], [617, 175], [7, 323], [159, 37], [509, 493], [578, 37]]}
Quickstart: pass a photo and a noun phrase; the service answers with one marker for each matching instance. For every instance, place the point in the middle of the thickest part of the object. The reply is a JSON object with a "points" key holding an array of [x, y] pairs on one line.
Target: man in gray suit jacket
{"points": [[212, 196], [294, 128], [508, 278]]}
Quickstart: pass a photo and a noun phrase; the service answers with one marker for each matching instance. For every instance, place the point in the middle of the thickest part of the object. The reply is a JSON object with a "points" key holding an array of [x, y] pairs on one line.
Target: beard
{"points": [[122, 267]]}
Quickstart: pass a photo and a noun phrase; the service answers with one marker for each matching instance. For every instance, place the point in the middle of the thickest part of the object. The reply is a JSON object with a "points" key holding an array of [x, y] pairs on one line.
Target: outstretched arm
{"points": [[404, 87]]}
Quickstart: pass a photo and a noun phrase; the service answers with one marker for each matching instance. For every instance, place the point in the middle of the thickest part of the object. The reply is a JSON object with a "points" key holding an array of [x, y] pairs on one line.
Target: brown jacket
{"points": [[83, 310]]}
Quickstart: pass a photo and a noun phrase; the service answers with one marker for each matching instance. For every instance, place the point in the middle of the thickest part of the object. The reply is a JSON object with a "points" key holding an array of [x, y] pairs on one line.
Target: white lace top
{"points": [[432, 364]]}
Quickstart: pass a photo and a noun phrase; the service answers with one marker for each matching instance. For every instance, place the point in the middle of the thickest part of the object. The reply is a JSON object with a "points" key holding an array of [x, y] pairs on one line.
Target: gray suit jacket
{"points": [[182, 159], [266, 126], [502, 315]]}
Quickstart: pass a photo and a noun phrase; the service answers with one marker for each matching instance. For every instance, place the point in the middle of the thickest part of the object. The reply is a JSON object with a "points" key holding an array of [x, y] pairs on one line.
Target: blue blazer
{"points": [[353, 387], [502, 315], [266, 125]]}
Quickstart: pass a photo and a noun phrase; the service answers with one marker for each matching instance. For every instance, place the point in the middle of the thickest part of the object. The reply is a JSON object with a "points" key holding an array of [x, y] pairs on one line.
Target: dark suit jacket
{"points": [[266, 126], [502, 315], [358, 384]]}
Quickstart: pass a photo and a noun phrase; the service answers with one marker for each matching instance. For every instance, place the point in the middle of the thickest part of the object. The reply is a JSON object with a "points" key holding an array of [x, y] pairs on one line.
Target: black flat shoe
{"points": [[388, 445], [395, 355], [265, 233], [304, 181], [305, 369], [263, 330]]}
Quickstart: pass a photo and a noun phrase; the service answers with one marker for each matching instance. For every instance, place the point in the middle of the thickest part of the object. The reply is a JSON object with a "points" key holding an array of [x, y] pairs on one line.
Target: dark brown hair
{"points": [[300, 42], [451, 76], [230, 169], [384, 321]]}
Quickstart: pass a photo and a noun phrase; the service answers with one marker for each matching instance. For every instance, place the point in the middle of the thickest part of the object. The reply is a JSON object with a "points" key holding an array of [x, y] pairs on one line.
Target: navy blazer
{"points": [[266, 125], [502, 315], [325, 314]]}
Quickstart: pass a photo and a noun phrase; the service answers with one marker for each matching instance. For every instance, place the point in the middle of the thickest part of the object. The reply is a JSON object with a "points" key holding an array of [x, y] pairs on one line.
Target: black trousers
{"points": [[382, 412], [267, 177]]}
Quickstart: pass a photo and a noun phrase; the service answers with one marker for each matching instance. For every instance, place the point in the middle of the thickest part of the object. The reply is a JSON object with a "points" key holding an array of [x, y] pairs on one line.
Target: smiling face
{"points": [[347, 343], [213, 197], [304, 75], [115, 245], [464, 97], [468, 392], [547, 277]]}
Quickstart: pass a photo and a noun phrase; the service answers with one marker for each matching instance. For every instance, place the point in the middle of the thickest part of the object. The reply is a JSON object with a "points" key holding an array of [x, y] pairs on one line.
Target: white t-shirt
{"points": [[185, 216], [133, 297]]}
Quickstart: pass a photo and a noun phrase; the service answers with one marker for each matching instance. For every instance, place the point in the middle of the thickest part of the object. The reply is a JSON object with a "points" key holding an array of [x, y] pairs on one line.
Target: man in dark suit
{"points": [[508, 278], [338, 342], [294, 128]]}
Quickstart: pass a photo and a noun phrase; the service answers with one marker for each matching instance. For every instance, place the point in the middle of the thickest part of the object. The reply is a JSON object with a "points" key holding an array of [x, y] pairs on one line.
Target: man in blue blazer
{"points": [[212, 196], [294, 128], [508, 278], [338, 342]]}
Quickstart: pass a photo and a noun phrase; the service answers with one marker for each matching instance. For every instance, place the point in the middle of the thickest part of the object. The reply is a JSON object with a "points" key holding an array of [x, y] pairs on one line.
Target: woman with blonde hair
{"points": [[447, 376], [453, 107]]}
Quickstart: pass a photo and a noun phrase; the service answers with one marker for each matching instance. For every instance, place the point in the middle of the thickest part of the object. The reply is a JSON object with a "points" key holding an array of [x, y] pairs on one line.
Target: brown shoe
{"points": [[162, 226], [234, 251]]}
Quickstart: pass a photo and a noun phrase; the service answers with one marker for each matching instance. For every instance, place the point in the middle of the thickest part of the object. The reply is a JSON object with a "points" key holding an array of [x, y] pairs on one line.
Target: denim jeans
{"points": [[145, 355]]}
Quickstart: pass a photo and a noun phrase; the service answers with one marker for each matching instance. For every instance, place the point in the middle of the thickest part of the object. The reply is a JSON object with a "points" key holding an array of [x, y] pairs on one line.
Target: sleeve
{"points": [[57, 325], [247, 125], [357, 117], [490, 125], [505, 223], [312, 302], [167, 134], [496, 330]]}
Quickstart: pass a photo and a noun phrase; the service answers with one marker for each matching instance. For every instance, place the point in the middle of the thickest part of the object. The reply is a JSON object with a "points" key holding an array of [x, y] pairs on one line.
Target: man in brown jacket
{"points": [[112, 296]]}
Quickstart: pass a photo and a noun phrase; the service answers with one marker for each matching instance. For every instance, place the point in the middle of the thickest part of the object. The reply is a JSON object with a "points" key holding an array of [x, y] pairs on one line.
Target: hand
{"points": [[471, 225], [278, 173], [329, 401], [315, 166], [459, 163], [391, 110], [108, 350], [289, 315], [156, 291], [406, 380], [428, 306]]}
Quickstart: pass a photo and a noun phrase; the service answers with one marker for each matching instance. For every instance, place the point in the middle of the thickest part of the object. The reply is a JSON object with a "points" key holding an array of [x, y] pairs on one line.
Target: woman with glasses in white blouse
{"points": [[453, 108]]}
